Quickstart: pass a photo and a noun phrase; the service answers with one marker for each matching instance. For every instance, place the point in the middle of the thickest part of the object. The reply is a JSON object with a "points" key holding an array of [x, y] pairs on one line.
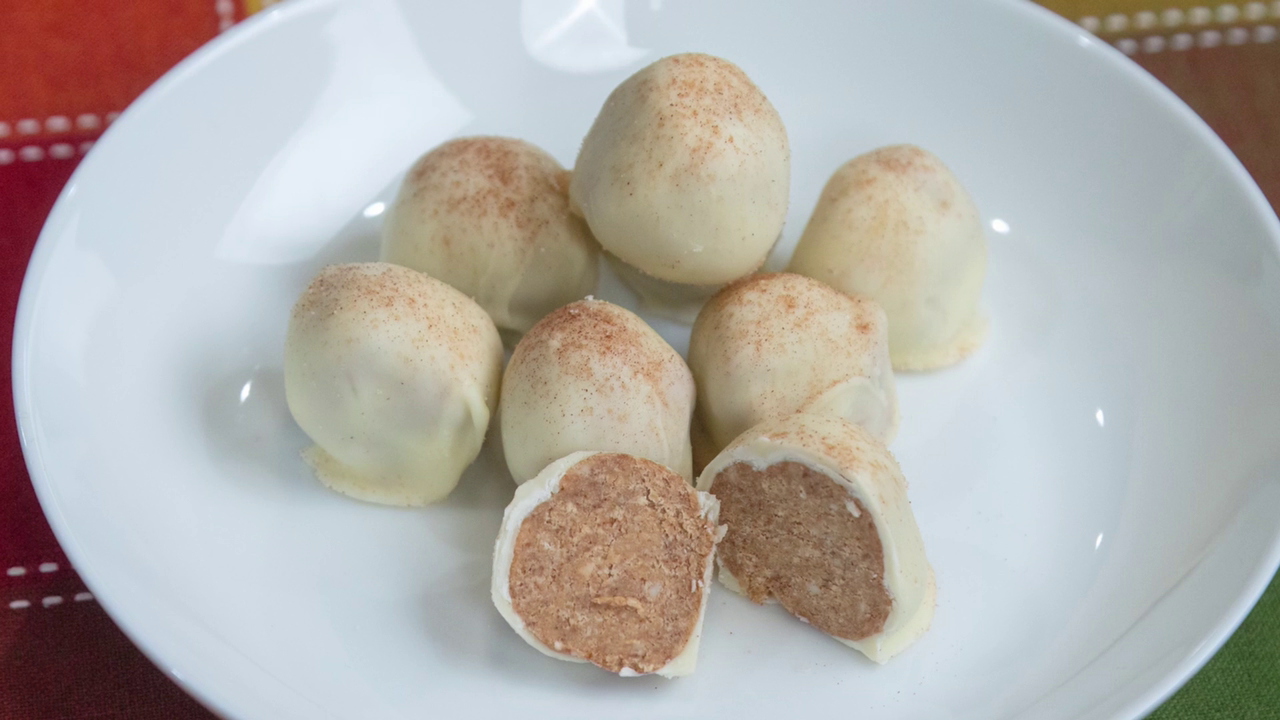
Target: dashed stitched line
{"points": [[36, 153], [49, 601], [1224, 14], [55, 124], [44, 567], [1209, 38], [226, 10]]}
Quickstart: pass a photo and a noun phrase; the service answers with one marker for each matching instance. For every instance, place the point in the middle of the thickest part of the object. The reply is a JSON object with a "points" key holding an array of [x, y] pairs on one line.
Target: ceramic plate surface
{"points": [[1098, 488]]}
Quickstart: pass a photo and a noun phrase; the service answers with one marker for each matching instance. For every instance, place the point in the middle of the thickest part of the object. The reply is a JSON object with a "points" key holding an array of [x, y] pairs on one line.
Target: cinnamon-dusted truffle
{"points": [[490, 216], [393, 375], [685, 173], [818, 520], [606, 558], [896, 225], [775, 344], [594, 376]]}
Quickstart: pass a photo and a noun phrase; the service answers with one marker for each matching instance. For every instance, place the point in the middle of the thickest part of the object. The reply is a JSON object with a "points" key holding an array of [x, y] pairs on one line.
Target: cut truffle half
{"points": [[606, 558], [818, 520]]}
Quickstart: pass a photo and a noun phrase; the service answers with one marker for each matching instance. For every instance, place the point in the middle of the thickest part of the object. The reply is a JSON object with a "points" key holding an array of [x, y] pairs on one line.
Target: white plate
{"points": [[1099, 488]]}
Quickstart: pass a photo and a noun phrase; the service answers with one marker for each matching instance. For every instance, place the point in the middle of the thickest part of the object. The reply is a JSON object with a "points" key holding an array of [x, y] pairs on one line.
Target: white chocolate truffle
{"points": [[896, 226], [606, 558], [818, 520], [393, 375], [686, 172], [490, 216], [594, 376], [780, 343]]}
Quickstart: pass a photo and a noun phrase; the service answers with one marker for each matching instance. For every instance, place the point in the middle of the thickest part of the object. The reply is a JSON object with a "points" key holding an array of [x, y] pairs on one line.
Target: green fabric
{"points": [[1241, 682]]}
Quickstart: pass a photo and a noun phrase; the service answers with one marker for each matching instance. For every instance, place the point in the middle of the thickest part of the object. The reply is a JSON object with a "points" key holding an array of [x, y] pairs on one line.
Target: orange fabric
{"points": [[66, 57]]}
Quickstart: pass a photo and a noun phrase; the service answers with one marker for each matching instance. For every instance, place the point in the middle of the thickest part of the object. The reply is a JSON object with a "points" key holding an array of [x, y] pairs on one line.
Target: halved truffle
{"points": [[606, 558], [818, 520]]}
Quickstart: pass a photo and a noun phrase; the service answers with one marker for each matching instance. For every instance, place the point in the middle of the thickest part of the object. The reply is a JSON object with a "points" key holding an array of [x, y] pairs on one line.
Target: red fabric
{"points": [[66, 660], [60, 657], [64, 58], [28, 194], [69, 661]]}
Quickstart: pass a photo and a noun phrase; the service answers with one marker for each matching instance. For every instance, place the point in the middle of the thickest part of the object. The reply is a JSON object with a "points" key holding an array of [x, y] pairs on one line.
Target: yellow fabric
{"points": [[253, 6], [1238, 14]]}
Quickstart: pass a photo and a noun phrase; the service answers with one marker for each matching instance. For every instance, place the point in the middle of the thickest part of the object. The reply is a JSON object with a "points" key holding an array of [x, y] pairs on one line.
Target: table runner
{"points": [[68, 67]]}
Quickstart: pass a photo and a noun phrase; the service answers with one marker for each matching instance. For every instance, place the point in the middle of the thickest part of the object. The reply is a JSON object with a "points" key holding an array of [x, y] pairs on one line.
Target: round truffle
{"points": [[393, 375], [818, 520], [606, 558], [895, 225], [490, 216], [780, 343], [685, 173], [594, 376]]}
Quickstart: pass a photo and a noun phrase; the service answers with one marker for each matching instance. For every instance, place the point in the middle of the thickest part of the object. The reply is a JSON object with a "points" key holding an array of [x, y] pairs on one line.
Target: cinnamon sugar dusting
{"points": [[903, 165], [754, 319], [392, 299], [702, 101], [594, 376], [610, 569], [493, 177], [580, 333], [895, 224], [902, 159], [803, 300], [685, 173]]}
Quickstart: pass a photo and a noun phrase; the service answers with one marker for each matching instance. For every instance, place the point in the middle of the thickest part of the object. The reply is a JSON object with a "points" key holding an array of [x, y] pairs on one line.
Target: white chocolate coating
{"points": [[685, 173], [780, 343], [393, 375], [895, 225], [594, 376], [527, 498], [490, 216], [851, 457]]}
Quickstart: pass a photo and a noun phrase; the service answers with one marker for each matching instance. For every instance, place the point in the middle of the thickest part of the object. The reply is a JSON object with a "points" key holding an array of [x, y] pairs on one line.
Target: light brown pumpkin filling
{"points": [[798, 536], [610, 568]]}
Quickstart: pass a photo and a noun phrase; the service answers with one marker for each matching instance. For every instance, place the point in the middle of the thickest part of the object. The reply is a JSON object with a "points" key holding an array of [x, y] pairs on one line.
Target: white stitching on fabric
{"points": [[226, 10], [1224, 14]]}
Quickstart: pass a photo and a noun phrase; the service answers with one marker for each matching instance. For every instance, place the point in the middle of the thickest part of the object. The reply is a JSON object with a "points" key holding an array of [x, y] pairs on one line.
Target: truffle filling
{"points": [[610, 568], [798, 536]]}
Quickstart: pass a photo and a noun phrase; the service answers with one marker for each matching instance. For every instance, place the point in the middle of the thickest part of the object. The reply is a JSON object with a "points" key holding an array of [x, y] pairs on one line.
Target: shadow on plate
{"points": [[248, 428]]}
